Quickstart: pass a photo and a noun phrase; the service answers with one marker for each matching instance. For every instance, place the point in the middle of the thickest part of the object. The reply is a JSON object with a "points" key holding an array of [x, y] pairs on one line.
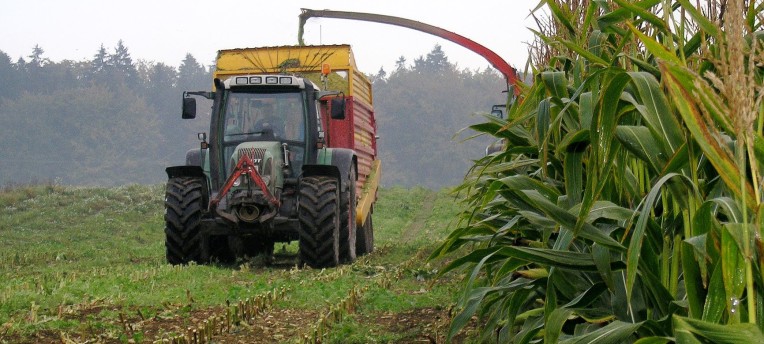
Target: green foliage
{"points": [[624, 205]]}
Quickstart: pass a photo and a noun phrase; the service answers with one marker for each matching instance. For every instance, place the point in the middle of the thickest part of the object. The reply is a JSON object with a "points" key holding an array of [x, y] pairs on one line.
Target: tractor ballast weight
{"points": [[285, 161]]}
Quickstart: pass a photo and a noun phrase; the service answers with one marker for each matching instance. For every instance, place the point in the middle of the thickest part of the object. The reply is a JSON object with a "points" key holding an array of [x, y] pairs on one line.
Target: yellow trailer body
{"points": [[306, 61]]}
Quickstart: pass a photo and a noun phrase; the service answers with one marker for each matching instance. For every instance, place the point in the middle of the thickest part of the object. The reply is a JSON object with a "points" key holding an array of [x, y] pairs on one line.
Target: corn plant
{"points": [[626, 205]]}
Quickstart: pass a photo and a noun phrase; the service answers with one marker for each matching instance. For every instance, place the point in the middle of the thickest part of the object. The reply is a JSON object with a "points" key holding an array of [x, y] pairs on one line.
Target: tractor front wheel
{"points": [[319, 214], [183, 213]]}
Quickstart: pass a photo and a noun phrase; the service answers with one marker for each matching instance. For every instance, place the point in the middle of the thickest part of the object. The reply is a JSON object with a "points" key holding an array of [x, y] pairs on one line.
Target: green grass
{"points": [[75, 260]]}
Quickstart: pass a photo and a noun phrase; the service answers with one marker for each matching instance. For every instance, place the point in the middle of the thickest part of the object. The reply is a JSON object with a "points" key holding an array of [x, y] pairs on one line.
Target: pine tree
{"points": [[192, 75], [436, 60], [8, 78], [400, 64], [36, 59], [123, 65], [100, 61]]}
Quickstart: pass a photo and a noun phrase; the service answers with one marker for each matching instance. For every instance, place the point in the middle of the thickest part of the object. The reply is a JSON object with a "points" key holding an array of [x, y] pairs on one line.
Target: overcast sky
{"points": [[165, 30]]}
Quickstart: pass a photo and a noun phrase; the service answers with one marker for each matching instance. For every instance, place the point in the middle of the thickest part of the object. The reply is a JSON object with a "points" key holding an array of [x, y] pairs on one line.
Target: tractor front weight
{"points": [[245, 166]]}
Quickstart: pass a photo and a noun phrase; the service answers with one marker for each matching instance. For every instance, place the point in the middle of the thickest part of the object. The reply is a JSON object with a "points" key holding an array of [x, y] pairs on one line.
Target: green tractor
{"points": [[268, 175]]}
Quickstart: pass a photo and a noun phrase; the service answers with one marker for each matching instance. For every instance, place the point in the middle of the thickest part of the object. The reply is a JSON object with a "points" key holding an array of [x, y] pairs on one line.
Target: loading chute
{"points": [[510, 74]]}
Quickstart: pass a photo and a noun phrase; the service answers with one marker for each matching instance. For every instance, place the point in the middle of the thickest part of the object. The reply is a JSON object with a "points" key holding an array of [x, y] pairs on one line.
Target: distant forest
{"points": [[114, 120]]}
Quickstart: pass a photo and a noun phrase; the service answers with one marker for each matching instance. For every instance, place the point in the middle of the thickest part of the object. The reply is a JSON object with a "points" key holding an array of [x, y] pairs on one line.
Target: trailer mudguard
{"points": [[335, 162]]}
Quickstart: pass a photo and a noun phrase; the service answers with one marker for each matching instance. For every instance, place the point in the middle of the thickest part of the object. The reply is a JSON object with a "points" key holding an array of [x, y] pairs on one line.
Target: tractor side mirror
{"points": [[189, 108], [338, 108]]}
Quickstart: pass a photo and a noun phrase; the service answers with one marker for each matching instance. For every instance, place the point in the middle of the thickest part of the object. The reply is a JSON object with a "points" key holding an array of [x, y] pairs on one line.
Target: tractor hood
{"points": [[268, 159]]}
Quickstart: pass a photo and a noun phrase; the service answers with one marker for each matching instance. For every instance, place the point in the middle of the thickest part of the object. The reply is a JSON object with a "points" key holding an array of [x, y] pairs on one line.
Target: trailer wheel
{"points": [[183, 212], [365, 237], [348, 234], [319, 214]]}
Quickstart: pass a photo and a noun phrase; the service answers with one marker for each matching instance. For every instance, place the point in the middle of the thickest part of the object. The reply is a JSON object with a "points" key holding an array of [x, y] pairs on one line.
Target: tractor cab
{"points": [[264, 114]]}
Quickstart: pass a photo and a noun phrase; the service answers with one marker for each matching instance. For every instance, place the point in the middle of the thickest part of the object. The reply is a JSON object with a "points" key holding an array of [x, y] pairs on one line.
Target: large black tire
{"points": [[319, 215], [347, 221], [183, 213], [365, 237]]}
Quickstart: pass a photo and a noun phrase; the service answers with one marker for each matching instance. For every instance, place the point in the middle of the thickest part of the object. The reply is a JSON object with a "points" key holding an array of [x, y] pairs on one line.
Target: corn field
{"points": [[626, 205]]}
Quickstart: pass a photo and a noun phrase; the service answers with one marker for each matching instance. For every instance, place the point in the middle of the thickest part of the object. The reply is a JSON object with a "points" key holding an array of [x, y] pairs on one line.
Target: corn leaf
{"points": [[639, 141], [643, 13], [693, 281], [618, 16], [715, 333], [654, 340], [554, 324], [568, 220], [655, 110], [684, 95], [635, 244], [606, 210], [602, 259], [560, 15], [658, 50], [586, 54], [702, 21], [555, 258], [733, 270], [615, 332], [602, 129], [474, 299], [716, 302], [587, 297]]}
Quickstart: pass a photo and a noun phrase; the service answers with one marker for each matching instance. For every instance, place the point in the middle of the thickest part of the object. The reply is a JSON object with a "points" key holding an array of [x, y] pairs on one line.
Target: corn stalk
{"points": [[626, 203]]}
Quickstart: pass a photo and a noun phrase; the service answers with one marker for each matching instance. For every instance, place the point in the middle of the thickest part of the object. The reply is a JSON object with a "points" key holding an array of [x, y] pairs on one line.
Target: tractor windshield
{"points": [[264, 116]]}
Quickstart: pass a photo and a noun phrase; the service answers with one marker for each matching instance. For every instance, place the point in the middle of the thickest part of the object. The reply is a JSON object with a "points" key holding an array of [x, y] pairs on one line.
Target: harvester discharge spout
{"points": [[510, 74]]}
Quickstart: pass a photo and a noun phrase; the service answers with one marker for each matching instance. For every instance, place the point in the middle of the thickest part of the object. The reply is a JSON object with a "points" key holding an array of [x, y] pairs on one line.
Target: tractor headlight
{"points": [[237, 182]]}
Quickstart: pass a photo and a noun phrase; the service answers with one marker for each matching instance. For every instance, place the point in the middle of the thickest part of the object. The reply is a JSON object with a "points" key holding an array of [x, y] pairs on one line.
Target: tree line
{"points": [[114, 120], [421, 109], [105, 121]]}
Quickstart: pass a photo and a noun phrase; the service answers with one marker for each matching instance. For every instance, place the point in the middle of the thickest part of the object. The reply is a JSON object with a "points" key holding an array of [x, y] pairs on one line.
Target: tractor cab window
{"points": [[265, 116]]}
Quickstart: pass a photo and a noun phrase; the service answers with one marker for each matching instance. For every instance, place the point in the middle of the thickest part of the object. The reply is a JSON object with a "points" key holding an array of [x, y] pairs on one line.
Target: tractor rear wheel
{"points": [[348, 224], [183, 213], [319, 214]]}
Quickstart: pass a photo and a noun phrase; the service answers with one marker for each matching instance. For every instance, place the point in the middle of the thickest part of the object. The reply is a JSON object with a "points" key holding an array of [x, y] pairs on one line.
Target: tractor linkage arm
{"points": [[244, 166]]}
